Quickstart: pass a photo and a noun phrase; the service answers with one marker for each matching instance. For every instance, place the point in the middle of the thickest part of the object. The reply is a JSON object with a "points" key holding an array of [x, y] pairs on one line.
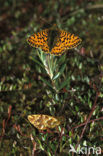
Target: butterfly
{"points": [[43, 122], [54, 40]]}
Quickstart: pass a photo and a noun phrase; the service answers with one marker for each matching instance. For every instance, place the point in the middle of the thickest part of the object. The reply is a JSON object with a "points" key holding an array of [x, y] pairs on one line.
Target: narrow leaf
{"points": [[36, 61], [45, 81], [60, 72], [64, 83]]}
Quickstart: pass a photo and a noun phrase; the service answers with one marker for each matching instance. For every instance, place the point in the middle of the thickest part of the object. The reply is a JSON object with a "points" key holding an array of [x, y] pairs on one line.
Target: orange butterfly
{"points": [[54, 41]]}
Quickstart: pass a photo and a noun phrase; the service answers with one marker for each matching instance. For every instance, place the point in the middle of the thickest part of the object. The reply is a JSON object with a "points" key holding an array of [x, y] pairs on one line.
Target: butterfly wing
{"points": [[50, 121], [43, 122], [65, 41], [39, 40], [37, 121]]}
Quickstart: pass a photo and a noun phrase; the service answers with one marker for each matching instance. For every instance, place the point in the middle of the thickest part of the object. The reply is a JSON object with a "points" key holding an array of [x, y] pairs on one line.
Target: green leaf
{"points": [[56, 76], [62, 59], [64, 83], [36, 61], [61, 71], [45, 81]]}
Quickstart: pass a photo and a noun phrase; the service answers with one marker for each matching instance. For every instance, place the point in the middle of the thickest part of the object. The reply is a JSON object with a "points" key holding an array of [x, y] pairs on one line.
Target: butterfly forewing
{"points": [[40, 40], [65, 41]]}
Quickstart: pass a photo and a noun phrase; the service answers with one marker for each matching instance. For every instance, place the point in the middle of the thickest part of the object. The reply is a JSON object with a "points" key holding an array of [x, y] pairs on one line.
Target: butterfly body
{"points": [[53, 35], [54, 40]]}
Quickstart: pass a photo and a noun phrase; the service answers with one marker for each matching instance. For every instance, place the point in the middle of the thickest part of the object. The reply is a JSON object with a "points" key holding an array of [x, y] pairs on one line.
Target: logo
{"points": [[85, 150]]}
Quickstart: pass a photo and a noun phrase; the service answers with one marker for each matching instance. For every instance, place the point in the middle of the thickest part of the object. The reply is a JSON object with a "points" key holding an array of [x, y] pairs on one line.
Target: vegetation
{"points": [[68, 87]]}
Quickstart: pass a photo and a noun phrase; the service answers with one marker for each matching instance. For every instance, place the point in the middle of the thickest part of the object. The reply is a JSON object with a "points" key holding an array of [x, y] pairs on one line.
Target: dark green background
{"points": [[20, 84]]}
